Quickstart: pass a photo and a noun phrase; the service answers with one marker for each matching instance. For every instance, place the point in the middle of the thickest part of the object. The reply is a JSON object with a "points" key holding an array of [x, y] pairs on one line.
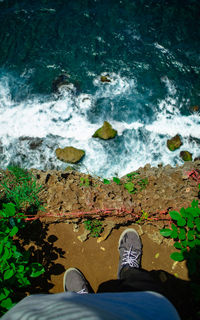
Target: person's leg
{"points": [[74, 281], [130, 275]]}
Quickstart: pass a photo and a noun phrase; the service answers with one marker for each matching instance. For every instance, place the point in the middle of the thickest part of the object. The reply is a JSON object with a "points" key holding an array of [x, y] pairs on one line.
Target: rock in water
{"points": [[105, 132], [105, 78], [174, 143], [70, 154], [186, 155]]}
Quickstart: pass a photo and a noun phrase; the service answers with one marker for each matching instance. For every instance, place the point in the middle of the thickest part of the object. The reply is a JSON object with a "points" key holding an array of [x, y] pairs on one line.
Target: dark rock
{"points": [[64, 83], [186, 155], [195, 108], [70, 154], [105, 132], [105, 78], [174, 143], [35, 143]]}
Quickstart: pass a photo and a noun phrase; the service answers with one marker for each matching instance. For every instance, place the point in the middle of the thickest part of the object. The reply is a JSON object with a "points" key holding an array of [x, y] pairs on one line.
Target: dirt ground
{"points": [[59, 248]]}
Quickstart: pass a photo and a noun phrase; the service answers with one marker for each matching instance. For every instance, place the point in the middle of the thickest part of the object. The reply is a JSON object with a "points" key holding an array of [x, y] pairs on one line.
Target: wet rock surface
{"points": [[70, 154], [105, 132], [174, 143]]}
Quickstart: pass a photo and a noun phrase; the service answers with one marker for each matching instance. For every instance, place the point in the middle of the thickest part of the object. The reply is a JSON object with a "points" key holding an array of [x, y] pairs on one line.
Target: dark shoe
{"points": [[130, 250], [74, 281]]}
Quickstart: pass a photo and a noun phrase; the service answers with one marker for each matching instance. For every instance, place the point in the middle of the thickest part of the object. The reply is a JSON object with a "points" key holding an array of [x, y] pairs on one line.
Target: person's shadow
{"points": [[184, 295]]}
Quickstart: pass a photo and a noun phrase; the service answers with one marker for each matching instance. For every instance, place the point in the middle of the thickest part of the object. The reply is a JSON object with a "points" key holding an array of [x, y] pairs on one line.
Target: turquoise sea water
{"points": [[151, 51]]}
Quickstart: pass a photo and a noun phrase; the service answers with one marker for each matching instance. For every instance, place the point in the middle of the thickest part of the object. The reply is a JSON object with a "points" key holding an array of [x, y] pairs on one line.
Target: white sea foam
{"points": [[64, 122]]}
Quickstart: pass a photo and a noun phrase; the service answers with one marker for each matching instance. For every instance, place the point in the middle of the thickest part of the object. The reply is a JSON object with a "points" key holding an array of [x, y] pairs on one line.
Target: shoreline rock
{"points": [[168, 189]]}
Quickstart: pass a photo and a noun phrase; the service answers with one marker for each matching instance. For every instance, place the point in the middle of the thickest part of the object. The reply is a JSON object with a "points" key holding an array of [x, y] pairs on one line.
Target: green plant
{"points": [[105, 181], [134, 182], [144, 216], [15, 269], [95, 227], [186, 234], [84, 182], [19, 187], [116, 180]]}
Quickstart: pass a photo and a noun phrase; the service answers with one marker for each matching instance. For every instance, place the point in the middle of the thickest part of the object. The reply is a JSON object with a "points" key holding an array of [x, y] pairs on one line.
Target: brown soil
{"points": [[59, 248]]}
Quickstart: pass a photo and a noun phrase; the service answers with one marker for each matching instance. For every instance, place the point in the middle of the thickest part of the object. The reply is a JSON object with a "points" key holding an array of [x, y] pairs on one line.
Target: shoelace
{"points": [[130, 257], [83, 291]]}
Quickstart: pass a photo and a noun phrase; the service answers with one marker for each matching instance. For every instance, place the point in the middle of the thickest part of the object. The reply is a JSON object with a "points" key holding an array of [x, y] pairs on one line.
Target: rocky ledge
{"points": [[153, 190]]}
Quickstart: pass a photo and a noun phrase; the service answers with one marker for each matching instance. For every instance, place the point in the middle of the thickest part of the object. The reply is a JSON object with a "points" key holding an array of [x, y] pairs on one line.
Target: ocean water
{"points": [[151, 52]]}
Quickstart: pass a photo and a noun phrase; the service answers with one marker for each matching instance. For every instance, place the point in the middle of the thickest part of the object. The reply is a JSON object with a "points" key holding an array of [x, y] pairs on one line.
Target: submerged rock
{"points": [[186, 155], [63, 83], [174, 143], [105, 132], [70, 154]]}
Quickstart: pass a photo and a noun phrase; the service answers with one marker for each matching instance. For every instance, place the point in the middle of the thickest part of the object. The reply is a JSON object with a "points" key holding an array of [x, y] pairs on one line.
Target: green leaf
{"points": [[7, 304], [197, 242], [9, 209], [13, 231], [174, 227], [116, 180], [105, 181], [184, 243], [191, 234], [6, 253], [175, 215], [177, 245], [174, 234], [182, 234], [37, 269], [177, 256], [183, 212], [4, 293], [129, 186], [191, 244], [181, 222], [166, 232], [8, 274], [190, 223], [24, 282], [194, 204], [197, 222]]}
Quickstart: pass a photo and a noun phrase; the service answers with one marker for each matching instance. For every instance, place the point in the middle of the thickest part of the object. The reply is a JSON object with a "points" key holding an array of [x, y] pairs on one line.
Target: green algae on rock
{"points": [[186, 155], [174, 143], [70, 154], [105, 132]]}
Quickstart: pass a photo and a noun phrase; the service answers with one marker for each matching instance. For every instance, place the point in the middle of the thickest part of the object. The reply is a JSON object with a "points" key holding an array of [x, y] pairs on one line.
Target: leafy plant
{"points": [[116, 180], [186, 234], [84, 182], [19, 187], [130, 186], [15, 269], [95, 227], [134, 182], [144, 216], [105, 181]]}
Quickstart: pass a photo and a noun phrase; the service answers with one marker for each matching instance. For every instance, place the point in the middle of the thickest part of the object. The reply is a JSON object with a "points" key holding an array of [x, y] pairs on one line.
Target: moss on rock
{"points": [[70, 154], [105, 132], [174, 143], [186, 155]]}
